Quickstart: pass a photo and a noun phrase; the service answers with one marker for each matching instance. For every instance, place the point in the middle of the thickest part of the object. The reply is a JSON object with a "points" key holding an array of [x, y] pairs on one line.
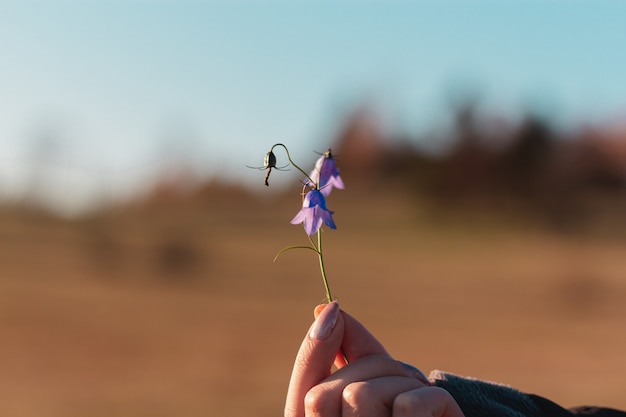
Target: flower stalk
{"points": [[314, 212], [290, 161], [329, 296]]}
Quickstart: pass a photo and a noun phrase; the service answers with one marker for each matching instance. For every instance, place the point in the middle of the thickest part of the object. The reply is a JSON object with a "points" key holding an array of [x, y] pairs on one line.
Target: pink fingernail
{"points": [[325, 322]]}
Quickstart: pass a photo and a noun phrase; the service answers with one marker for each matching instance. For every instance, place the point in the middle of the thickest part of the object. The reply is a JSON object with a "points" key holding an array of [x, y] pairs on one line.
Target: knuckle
{"points": [[426, 401], [357, 393], [317, 400], [410, 403]]}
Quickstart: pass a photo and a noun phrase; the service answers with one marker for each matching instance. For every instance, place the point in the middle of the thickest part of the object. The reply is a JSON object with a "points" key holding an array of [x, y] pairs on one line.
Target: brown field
{"points": [[174, 308]]}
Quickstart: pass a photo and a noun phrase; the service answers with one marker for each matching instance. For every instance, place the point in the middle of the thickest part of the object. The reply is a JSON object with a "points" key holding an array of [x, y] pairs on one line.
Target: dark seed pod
{"points": [[270, 160]]}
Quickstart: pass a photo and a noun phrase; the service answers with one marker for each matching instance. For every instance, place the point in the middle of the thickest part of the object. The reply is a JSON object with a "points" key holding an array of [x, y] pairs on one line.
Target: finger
{"points": [[374, 397], [325, 398], [315, 357], [426, 402], [357, 342]]}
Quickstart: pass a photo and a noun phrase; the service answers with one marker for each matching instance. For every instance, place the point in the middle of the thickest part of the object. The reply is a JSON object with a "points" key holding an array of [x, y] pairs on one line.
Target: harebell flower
{"points": [[314, 212]]}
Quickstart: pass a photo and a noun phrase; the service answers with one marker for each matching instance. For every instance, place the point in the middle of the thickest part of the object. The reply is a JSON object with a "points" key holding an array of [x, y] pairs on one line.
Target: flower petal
{"points": [[327, 218], [336, 181], [333, 182], [315, 198], [299, 217], [314, 213], [315, 174], [313, 223]]}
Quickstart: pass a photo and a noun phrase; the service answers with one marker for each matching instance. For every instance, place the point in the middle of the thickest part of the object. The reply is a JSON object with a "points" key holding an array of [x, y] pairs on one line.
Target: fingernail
{"points": [[325, 322]]}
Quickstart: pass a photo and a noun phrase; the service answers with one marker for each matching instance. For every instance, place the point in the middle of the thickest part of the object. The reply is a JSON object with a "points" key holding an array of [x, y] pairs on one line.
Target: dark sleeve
{"points": [[550, 409], [478, 398], [597, 411]]}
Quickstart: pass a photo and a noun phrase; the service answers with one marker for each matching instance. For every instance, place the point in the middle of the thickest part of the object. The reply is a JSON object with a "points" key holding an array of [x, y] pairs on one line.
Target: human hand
{"points": [[372, 384]]}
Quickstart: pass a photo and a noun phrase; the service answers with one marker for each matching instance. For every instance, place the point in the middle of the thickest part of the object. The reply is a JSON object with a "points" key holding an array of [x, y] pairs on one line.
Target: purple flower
{"points": [[326, 174], [314, 213]]}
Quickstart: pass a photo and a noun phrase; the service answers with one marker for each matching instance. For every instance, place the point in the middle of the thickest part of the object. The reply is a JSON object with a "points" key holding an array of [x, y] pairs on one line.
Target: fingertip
{"points": [[325, 322], [319, 309]]}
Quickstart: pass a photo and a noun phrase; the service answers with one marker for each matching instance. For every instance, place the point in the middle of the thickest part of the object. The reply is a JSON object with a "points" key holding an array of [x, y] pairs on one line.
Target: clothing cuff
{"points": [[478, 398]]}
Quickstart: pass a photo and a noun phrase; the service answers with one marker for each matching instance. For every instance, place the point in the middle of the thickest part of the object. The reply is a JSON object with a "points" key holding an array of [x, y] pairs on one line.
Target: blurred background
{"points": [[482, 228]]}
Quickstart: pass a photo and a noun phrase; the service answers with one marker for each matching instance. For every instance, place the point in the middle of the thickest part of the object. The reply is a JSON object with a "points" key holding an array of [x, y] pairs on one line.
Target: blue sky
{"points": [[117, 88]]}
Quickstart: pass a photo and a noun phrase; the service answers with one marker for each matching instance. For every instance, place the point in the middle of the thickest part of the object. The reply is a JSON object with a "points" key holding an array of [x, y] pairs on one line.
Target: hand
{"points": [[372, 384]]}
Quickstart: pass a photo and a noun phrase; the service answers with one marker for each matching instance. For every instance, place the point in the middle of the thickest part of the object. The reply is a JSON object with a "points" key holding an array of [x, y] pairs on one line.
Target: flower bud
{"points": [[270, 160], [325, 176]]}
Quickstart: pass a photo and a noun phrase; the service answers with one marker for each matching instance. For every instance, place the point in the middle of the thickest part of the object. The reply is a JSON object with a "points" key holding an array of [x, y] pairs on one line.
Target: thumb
{"points": [[315, 358]]}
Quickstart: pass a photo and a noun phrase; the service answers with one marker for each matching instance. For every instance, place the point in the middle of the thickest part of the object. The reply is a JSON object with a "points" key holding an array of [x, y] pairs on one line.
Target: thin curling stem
{"points": [[293, 163]]}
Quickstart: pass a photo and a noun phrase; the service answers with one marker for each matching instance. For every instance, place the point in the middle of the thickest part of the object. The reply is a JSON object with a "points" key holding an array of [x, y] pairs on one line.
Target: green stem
{"points": [[293, 163], [293, 247], [329, 296], [317, 248]]}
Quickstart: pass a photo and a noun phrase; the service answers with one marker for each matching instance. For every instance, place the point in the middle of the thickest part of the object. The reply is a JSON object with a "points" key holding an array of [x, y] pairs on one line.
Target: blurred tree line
{"points": [[569, 180]]}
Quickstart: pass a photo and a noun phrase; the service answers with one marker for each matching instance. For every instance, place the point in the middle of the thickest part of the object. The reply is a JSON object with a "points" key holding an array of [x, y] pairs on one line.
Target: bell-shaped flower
{"points": [[325, 174], [314, 212]]}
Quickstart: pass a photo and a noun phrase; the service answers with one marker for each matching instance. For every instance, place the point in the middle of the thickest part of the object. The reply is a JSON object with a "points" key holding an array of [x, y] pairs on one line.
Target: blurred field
{"points": [[175, 307]]}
